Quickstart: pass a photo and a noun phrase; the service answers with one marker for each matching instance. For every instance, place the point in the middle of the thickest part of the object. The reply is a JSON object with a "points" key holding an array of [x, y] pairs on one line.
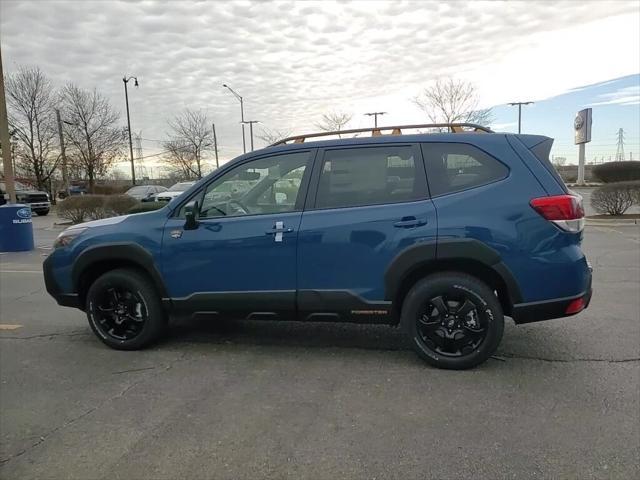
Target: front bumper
{"points": [[555, 308], [64, 299], [40, 205]]}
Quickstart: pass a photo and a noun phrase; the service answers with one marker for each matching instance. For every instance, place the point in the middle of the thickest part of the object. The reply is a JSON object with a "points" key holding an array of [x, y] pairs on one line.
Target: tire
{"points": [[453, 339], [140, 300], [42, 213]]}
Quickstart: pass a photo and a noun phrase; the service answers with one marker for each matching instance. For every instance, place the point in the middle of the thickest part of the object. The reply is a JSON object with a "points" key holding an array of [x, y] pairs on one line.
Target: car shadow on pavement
{"points": [[284, 333]]}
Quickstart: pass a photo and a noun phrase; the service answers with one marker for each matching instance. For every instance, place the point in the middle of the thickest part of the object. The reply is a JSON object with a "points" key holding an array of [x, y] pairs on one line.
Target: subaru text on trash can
{"points": [[441, 234]]}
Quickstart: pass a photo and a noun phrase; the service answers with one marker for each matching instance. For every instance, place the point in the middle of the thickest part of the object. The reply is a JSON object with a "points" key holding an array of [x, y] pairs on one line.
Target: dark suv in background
{"points": [[441, 234], [39, 201]]}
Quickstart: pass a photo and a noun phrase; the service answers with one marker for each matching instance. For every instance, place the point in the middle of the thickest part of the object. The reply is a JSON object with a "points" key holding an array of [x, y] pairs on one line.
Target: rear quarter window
{"points": [[453, 167]]}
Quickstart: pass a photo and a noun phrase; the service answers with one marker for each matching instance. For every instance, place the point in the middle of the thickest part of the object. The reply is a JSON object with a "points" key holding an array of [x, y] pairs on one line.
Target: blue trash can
{"points": [[16, 229]]}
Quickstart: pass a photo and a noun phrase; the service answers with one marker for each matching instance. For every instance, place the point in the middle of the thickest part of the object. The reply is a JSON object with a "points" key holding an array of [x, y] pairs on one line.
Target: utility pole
{"points": [[5, 141], [125, 80], [519, 104], [251, 122], [65, 177], [215, 143], [620, 146], [375, 117]]}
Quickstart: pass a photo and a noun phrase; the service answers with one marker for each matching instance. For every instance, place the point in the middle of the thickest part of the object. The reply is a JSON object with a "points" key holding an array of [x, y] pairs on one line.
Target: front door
{"points": [[371, 204], [241, 258]]}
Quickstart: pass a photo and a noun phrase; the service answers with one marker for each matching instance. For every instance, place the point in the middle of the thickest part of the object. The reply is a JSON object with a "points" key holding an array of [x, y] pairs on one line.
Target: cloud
{"points": [[623, 96], [293, 61]]}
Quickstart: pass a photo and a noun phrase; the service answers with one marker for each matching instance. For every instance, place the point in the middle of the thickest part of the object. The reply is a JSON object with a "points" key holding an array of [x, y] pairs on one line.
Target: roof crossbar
{"points": [[395, 130]]}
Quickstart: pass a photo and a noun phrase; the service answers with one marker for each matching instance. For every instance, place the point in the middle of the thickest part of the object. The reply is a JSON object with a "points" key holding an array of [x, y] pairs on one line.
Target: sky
{"points": [[294, 61]]}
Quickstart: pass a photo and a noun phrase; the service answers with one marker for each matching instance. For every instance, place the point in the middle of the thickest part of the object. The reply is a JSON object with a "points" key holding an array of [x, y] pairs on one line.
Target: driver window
{"points": [[266, 185]]}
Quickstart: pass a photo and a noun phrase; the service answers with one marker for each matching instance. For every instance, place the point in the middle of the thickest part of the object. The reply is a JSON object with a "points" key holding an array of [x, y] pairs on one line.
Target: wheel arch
{"points": [[100, 259], [468, 256]]}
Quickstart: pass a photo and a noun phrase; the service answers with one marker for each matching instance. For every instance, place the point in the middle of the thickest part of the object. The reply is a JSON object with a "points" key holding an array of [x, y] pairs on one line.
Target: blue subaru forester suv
{"points": [[442, 234]]}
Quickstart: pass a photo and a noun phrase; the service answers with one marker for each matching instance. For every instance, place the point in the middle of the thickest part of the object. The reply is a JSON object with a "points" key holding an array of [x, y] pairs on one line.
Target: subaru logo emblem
{"points": [[24, 213]]}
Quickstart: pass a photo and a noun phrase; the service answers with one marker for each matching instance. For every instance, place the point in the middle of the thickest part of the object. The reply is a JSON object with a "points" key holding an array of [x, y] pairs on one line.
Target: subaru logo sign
{"points": [[24, 213]]}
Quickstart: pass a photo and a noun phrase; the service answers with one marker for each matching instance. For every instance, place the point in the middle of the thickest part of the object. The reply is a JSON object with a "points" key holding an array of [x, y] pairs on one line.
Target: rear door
{"points": [[365, 205]]}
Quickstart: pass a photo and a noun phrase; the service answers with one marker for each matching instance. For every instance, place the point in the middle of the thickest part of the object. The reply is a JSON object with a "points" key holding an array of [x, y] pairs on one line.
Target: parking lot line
{"points": [[21, 271], [4, 326]]}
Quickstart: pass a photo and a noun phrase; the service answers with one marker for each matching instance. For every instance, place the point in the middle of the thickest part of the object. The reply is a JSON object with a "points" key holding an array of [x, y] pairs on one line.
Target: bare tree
{"points": [[93, 138], [559, 161], [30, 98], [452, 101], [272, 136], [190, 138], [335, 121]]}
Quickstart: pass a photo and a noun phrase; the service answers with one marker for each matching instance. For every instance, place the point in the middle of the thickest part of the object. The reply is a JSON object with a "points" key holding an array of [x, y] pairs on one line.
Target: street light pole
{"points": [[519, 104], [125, 80], [215, 143], [239, 97], [375, 117]]}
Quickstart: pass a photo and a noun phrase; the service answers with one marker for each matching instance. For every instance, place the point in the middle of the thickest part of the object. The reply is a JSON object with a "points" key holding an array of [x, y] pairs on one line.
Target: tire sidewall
{"points": [[137, 283], [481, 296]]}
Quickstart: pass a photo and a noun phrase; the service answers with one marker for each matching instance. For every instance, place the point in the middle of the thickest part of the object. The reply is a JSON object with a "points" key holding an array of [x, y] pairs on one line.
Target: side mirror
{"points": [[191, 211]]}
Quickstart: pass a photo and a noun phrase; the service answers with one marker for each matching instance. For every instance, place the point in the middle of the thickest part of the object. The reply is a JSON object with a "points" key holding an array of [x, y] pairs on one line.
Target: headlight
{"points": [[67, 236], [22, 198]]}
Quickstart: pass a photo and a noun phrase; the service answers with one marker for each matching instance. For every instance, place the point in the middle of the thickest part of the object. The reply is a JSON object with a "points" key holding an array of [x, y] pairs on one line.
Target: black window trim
{"points": [[440, 142], [300, 199], [319, 164]]}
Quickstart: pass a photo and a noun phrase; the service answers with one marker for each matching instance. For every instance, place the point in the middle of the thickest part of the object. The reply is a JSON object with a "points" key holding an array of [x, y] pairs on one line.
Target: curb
{"points": [[618, 222]]}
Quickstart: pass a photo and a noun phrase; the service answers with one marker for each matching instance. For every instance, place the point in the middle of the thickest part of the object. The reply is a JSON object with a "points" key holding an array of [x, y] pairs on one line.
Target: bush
{"points": [[146, 207], [617, 171], [119, 204], [81, 208], [616, 198]]}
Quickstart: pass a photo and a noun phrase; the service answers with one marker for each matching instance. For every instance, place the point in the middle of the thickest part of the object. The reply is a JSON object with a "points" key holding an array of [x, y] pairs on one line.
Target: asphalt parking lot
{"points": [[283, 400]]}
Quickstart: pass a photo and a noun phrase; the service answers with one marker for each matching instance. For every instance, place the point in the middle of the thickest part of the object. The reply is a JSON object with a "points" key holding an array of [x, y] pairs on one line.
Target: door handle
{"points": [[410, 222], [278, 230]]}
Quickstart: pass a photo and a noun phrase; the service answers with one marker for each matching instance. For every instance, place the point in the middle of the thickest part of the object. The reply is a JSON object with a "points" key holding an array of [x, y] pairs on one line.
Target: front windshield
{"points": [[18, 186], [136, 190], [180, 187]]}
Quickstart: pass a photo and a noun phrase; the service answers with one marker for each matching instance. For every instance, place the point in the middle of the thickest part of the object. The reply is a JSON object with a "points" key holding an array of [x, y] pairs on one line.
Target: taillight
{"points": [[575, 306], [564, 210]]}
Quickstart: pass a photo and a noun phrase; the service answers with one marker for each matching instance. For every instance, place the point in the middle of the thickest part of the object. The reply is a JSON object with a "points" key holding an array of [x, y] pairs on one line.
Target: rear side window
{"points": [[369, 176], [453, 167]]}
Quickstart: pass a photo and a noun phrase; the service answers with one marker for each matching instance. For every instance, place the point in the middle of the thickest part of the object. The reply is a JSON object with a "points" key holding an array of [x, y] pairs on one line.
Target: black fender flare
{"points": [[420, 255], [131, 253]]}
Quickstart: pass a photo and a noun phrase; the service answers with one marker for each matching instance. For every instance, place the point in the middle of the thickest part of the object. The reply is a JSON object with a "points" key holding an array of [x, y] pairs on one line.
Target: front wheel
{"points": [[124, 310], [453, 320], [42, 213]]}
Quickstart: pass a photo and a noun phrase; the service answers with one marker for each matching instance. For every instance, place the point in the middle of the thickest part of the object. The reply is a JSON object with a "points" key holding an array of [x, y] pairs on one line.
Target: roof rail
{"points": [[395, 130]]}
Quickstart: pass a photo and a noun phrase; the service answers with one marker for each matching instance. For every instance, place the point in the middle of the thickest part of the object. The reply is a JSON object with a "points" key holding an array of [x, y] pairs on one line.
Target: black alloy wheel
{"points": [[452, 324], [124, 309], [121, 313], [453, 320]]}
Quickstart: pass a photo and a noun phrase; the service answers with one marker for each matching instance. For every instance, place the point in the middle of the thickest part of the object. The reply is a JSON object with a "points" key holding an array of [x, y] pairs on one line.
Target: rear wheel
{"points": [[453, 320], [124, 310]]}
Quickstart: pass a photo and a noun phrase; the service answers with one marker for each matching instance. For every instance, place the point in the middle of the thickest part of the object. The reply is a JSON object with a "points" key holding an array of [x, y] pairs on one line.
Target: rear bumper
{"points": [[64, 299], [555, 308]]}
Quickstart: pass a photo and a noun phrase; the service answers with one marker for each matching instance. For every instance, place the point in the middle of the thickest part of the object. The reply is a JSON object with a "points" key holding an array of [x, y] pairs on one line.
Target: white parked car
{"points": [[173, 192], [145, 193]]}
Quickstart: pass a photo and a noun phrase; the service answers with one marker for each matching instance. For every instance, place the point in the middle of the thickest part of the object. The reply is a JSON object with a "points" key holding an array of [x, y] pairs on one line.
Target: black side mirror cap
{"points": [[191, 213]]}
